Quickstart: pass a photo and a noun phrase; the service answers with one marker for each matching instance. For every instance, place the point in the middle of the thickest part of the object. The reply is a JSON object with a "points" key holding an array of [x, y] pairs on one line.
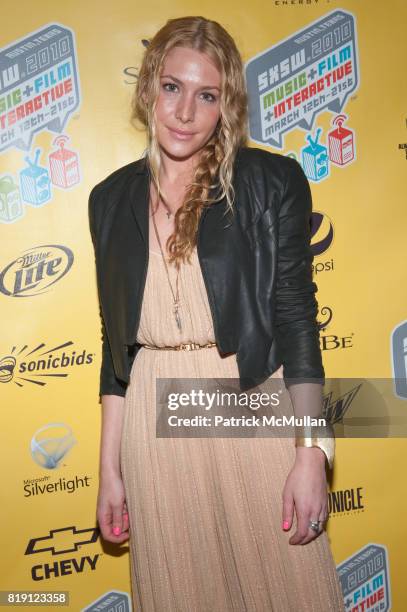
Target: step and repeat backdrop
{"points": [[326, 86]]}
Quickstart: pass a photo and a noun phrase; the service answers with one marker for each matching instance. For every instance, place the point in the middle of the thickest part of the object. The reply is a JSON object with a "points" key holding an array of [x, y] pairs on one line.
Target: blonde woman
{"points": [[204, 271]]}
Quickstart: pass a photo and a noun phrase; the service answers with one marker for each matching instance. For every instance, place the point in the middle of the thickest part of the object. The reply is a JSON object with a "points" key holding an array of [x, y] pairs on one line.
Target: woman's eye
{"points": [[209, 98], [165, 85]]}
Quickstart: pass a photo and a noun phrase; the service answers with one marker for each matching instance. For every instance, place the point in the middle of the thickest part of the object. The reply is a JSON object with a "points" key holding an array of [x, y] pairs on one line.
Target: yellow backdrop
{"points": [[326, 85]]}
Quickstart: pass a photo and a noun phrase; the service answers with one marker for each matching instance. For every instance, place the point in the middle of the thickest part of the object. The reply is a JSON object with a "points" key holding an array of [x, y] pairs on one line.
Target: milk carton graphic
{"points": [[341, 142], [315, 161], [11, 207], [35, 183], [63, 165]]}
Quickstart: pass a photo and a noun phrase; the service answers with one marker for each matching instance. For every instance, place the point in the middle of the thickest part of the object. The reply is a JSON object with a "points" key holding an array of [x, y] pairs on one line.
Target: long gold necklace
{"points": [[175, 296]]}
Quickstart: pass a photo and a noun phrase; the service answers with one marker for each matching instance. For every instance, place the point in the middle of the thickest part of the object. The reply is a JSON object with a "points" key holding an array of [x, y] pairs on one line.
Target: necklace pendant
{"points": [[177, 318]]}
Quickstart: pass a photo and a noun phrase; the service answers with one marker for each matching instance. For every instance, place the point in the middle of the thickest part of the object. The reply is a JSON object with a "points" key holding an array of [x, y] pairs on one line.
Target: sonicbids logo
{"points": [[39, 365]]}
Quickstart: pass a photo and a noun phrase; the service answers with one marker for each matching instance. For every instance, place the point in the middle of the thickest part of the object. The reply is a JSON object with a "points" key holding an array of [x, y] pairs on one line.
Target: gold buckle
{"points": [[187, 346]]}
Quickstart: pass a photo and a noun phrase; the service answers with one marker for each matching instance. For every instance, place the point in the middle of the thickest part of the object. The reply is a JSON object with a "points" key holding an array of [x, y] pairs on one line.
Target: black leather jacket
{"points": [[256, 265]]}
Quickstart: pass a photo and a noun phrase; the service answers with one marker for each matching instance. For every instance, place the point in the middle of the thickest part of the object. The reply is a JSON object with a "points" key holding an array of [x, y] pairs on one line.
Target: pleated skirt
{"points": [[206, 512]]}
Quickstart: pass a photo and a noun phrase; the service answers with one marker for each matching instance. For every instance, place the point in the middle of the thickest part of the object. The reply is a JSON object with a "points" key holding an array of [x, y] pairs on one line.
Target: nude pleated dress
{"points": [[205, 513]]}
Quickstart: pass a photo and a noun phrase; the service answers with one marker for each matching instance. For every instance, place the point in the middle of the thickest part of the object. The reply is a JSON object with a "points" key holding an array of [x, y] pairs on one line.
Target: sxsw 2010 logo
{"points": [[40, 86], [40, 91], [365, 579], [313, 70]]}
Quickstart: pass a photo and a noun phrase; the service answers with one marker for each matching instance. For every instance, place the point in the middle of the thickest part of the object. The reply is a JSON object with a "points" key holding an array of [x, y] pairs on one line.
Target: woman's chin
{"points": [[179, 151]]}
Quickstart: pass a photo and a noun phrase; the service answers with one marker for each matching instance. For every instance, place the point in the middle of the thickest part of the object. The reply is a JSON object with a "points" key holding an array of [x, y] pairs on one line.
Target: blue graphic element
{"points": [[315, 160], [50, 444], [35, 182]]}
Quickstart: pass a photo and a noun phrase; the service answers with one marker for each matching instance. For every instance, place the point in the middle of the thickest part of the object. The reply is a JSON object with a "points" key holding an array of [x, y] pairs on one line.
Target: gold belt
{"points": [[187, 346]]}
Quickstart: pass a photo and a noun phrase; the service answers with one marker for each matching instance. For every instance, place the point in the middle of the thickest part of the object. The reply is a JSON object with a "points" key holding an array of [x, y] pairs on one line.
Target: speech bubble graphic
{"points": [[39, 85], [290, 83], [365, 579]]}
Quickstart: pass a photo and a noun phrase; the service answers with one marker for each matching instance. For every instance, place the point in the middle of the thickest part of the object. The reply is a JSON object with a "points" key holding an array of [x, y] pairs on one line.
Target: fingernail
{"points": [[285, 524], [116, 530]]}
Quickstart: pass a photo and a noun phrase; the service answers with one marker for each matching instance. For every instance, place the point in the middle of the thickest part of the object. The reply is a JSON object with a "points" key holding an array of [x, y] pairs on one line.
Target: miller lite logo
{"points": [[33, 272]]}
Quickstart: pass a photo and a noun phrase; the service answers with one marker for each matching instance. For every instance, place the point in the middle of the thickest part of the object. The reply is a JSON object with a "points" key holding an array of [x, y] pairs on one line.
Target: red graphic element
{"points": [[63, 165], [341, 144]]}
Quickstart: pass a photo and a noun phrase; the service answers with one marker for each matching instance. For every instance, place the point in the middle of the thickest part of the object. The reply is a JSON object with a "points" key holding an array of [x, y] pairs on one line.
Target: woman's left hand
{"points": [[306, 491]]}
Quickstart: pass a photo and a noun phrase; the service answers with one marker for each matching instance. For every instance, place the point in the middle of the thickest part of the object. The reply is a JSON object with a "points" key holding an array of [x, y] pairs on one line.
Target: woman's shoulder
{"points": [[253, 158], [110, 189], [277, 169]]}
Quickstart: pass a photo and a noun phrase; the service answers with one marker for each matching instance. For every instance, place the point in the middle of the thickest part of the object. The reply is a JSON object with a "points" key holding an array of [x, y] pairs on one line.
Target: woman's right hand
{"points": [[112, 514]]}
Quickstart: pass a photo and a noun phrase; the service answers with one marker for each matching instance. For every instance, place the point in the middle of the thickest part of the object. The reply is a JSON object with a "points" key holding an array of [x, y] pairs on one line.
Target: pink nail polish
{"points": [[285, 524], [116, 530]]}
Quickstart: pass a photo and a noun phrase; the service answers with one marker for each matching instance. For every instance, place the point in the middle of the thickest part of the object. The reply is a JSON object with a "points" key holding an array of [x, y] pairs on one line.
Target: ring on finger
{"points": [[314, 525]]}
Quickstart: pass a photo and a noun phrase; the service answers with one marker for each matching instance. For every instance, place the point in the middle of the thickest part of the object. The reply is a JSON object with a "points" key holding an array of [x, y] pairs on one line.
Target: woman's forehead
{"points": [[189, 65]]}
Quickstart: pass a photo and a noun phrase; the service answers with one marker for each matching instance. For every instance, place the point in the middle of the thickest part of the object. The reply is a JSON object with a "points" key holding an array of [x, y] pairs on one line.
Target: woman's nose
{"points": [[186, 109]]}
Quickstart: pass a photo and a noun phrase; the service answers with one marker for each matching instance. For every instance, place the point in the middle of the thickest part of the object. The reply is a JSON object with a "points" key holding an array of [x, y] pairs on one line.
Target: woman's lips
{"points": [[180, 135]]}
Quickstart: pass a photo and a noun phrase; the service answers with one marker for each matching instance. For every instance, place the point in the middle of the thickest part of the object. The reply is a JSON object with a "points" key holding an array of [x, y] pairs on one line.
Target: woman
{"points": [[210, 520]]}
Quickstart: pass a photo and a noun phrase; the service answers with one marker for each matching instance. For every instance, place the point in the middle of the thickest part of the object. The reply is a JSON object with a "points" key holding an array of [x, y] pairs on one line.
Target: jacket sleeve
{"points": [[297, 330], [108, 383]]}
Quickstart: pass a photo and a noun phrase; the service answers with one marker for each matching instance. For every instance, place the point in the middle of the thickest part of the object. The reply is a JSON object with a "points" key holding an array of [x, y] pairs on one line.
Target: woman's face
{"points": [[188, 105]]}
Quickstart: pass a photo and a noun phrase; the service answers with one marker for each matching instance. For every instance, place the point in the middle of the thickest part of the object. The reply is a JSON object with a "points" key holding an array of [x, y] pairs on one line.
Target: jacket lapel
{"points": [[139, 192]]}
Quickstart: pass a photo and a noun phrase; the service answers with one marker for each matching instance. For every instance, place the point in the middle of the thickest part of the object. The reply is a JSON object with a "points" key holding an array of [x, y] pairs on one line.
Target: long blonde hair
{"points": [[217, 156]]}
